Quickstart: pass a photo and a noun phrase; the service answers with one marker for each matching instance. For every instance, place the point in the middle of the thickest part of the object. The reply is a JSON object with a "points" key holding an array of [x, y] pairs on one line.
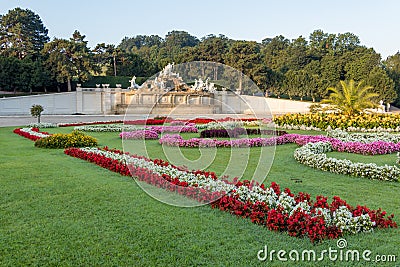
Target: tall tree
{"points": [[346, 42], [321, 43], [68, 59], [296, 54], [273, 52], [383, 85], [360, 62], [244, 56], [392, 67], [22, 34]]}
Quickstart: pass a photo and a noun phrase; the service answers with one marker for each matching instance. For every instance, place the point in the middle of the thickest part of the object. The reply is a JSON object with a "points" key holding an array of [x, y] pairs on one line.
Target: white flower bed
{"points": [[107, 128], [298, 127], [363, 137], [313, 155], [43, 125], [31, 132]]}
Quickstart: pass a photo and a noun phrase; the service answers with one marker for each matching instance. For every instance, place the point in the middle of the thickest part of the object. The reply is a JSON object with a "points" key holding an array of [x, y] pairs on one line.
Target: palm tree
{"points": [[351, 99]]}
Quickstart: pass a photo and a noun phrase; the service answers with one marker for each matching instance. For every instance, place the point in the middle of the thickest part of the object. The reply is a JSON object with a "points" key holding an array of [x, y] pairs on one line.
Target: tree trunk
{"points": [[58, 88], [69, 85], [115, 66], [38, 119], [240, 82], [45, 89]]}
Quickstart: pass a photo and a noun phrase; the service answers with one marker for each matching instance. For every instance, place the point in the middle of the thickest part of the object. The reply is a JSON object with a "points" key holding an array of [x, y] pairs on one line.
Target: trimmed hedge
{"points": [[74, 139]]}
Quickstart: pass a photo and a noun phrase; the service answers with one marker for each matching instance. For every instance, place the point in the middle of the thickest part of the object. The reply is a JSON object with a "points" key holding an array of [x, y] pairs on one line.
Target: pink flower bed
{"points": [[189, 128], [374, 148], [139, 134]]}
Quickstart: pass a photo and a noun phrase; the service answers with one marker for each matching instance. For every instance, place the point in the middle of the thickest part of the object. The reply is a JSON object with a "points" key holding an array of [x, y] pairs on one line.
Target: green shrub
{"points": [[74, 139], [36, 111]]}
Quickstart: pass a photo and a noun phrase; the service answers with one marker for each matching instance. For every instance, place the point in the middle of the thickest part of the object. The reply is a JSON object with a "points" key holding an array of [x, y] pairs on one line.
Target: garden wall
{"points": [[110, 100]]}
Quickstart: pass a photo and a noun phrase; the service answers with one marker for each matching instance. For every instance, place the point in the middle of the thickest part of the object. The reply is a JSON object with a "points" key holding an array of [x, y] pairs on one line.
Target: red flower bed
{"points": [[200, 121], [237, 119], [28, 135], [147, 122]]}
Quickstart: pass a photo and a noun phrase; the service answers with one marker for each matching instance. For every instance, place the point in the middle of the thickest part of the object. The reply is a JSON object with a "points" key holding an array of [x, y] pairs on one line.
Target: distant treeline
{"points": [[302, 67]]}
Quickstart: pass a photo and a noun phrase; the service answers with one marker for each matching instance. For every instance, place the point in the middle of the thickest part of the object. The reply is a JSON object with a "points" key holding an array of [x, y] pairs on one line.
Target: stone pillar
{"points": [[99, 98], [79, 100], [107, 100]]}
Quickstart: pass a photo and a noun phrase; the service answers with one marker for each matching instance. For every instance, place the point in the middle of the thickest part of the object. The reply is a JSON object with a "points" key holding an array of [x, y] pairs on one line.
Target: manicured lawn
{"points": [[59, 210]]}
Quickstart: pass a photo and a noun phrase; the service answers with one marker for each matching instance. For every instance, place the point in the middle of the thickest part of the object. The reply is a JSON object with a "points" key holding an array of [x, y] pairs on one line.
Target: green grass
{"points": [[56, 210]]}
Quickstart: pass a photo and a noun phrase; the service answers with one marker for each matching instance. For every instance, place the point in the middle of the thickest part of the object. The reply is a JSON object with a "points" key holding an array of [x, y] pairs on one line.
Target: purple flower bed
{"points": [[258, 131], [189, 128], [233, 133], [139, 134], [222, 133], [374, 148]]}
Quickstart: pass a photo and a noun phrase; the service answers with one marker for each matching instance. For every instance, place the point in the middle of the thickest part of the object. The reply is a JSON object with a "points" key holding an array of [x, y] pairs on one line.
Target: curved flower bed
{"points": [[268, 206], [139, 134], [189, 128], [313, 155], [31, 133]]}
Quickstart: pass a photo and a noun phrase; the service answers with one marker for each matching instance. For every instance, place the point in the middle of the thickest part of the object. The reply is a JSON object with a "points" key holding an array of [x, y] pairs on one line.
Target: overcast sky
{"points": [[375, 22]]}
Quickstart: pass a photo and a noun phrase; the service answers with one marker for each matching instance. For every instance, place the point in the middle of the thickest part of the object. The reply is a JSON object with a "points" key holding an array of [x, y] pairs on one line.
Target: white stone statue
{"points": [[195, 84], [134, 85], [211, 88], [200, 85], [168, 69], [162, 85]]}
